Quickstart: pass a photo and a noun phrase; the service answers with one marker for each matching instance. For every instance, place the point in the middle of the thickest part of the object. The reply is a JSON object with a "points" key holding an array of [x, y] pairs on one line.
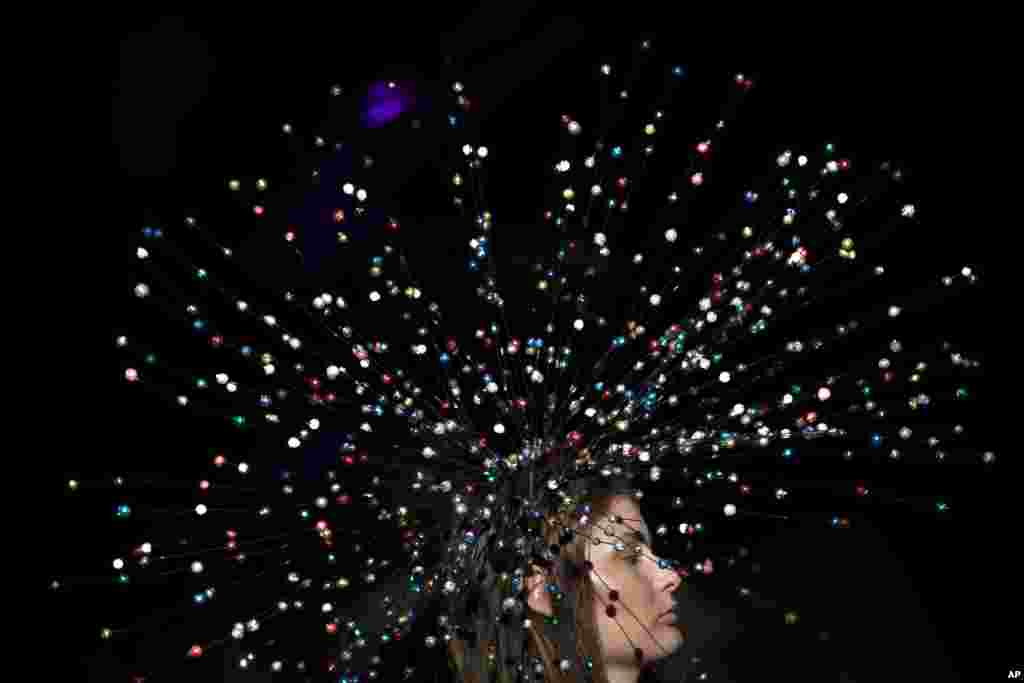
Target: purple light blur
{"points": [[385, 102]]}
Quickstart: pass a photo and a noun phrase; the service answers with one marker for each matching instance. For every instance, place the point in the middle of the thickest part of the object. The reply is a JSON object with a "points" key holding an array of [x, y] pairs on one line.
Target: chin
{"points": [[670, 634]]}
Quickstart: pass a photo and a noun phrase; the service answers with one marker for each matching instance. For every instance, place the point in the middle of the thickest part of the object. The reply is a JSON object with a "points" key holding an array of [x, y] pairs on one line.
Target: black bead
{"points": [[639, 654]]}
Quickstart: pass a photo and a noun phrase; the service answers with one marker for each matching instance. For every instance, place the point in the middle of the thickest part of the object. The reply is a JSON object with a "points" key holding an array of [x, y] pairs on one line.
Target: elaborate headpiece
{"points": [[678, 402]]}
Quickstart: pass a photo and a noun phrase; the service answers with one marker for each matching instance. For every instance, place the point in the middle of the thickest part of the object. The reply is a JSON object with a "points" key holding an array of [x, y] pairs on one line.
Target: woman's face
{"points": [[644, 591]]}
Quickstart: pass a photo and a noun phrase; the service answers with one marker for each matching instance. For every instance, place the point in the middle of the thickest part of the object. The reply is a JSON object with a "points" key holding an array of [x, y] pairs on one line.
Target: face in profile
{"points": [[644, 604]]}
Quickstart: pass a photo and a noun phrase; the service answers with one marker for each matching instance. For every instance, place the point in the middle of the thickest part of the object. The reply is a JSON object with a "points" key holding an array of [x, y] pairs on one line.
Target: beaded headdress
{"points": [[465, 452]]}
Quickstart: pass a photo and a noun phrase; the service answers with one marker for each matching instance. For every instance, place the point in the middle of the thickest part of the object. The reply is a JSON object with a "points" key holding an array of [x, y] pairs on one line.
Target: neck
{"points": [[624, 674]]}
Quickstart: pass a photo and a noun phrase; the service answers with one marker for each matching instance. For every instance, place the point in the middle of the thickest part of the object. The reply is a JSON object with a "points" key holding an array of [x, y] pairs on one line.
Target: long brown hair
{"points": [[539, 645]]}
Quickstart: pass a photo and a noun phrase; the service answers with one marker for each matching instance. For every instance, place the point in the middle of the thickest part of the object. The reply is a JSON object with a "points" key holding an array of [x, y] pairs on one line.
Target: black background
{"points": [[907, 598]]}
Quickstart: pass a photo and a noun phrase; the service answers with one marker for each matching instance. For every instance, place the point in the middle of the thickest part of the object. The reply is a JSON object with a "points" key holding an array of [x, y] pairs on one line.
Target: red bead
{"points": [[610, 611], [588, 565], [613, 595]]}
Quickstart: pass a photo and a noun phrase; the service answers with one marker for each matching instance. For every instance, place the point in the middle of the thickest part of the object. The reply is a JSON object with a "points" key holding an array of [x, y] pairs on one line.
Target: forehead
{"points": [[632, 517]]}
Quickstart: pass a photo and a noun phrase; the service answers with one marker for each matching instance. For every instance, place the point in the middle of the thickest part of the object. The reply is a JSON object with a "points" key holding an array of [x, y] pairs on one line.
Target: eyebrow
{"points": [[638, 535]]}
